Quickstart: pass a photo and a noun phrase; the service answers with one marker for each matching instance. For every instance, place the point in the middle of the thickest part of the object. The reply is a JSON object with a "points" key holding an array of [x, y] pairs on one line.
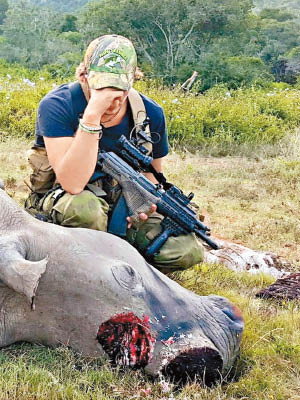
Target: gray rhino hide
{"points": [[94, 292]]}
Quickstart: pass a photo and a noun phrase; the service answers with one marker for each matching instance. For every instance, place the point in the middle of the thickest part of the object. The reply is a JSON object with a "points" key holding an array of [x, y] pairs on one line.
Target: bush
{"points": [[233, 116], [20, 92], [17, 117], [220, 116]]}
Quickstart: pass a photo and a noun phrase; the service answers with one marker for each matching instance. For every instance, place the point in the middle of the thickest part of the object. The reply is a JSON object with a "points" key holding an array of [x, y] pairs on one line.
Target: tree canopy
{"points": [[3, 9], [237, 42]]}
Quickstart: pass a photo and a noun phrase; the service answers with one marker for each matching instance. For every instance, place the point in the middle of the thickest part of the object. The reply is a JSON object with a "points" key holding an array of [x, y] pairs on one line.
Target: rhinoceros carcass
{"points": [[94, 292]]}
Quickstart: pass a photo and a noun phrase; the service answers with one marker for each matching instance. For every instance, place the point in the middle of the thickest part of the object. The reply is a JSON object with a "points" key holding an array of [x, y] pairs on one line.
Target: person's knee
{"points": [[84, 210], [181, 252]]}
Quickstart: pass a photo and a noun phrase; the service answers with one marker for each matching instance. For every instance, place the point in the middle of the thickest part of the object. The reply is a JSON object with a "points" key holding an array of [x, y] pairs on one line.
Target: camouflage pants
{"points": [[86, 210]]}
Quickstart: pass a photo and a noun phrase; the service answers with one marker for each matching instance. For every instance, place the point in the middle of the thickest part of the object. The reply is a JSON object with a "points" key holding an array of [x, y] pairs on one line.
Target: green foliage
{"points": [[65, 66], [19, 114], [253, 115], [244, 71], [281, 4], [32, 36], [276, 14], [58, 5], [69, 24], [236, 71], [167, 40], [21, 91], [15, 71], [3, 9], [225, 41], [224, 116]]}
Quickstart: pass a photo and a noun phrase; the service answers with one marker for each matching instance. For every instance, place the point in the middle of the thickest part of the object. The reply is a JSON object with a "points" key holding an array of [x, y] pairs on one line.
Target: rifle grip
{"points": [[157, 243], [118, 223]]}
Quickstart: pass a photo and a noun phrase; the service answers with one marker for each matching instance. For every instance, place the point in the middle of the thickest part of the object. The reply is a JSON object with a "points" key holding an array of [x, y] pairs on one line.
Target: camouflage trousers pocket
{"points": [[42, 177], [32, 203], [143, 232], [83, 210]]}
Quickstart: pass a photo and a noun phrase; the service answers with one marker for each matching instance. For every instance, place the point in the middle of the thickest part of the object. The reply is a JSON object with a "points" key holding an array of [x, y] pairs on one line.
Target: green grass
{"points": [[268, 367], [250, 201], [250, 195]]}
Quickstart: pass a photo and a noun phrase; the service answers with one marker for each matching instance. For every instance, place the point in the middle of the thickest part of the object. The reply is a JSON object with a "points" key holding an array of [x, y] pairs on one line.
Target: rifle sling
{"points": [[161, 179]]}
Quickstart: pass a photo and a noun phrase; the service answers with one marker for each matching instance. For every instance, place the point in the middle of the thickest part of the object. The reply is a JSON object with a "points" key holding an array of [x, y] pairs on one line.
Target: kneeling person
{"points": [[76, 120]]}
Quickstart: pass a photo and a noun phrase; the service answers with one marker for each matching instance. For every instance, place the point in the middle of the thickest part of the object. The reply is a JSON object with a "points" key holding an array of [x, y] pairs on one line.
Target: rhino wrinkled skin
{"points": [[95, 293]]}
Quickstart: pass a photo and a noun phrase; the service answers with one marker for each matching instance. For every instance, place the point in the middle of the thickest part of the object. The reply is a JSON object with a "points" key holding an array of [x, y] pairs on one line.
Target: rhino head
{"points": [[94, 292]]}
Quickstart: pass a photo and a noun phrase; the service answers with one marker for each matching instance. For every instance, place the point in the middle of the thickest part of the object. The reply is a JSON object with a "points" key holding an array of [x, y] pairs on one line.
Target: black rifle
{"points": [[138, 194]]}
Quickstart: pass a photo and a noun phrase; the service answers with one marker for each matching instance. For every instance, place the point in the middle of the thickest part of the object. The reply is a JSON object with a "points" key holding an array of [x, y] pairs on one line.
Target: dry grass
{"points": [[255, 202], [251, 201], [14, 167]]}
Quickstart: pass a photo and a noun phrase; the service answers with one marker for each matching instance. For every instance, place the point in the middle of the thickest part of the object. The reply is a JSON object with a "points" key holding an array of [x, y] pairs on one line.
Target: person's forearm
{"points": [[79, 161], [157, 165], [78, 164], [151, 177]]}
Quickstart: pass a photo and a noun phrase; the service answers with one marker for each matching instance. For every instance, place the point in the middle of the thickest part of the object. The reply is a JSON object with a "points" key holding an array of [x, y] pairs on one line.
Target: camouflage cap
{"points": [[110, 61]]}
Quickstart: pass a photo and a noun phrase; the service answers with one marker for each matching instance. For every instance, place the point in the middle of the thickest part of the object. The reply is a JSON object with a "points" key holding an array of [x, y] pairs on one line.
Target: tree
{"points": [[32, 36], [167, 34], [3, 9], [69, 24], [278, 36], [60, 6], [276, 14]]}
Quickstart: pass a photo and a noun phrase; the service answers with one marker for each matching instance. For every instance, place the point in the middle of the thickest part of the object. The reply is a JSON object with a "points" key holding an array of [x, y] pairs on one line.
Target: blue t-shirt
{"points": [[59, 117]]}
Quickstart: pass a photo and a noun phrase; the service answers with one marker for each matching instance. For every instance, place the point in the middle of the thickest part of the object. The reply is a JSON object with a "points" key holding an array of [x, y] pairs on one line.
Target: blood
{"points": [[127, 340]]}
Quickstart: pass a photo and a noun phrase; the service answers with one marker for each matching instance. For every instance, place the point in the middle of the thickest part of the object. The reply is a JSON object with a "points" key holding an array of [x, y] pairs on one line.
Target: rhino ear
{"points": [[23, 276]]}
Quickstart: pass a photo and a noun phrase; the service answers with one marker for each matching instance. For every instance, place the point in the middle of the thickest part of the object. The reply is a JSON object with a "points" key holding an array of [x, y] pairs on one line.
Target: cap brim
{"points": [[100, 80]]}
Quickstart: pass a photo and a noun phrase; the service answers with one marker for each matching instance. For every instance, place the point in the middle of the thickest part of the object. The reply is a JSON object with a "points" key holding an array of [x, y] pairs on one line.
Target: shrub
{"points": [[232, 116], [21, 91], [219, 116]]}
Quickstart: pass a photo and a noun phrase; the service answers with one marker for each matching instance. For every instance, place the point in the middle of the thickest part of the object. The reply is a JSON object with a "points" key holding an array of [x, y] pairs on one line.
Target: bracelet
{"points": [[89, 129]]}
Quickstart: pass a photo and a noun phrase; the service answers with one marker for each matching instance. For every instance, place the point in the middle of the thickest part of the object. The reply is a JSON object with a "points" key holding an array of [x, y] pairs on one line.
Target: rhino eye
{"points": [[127, 277]]}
